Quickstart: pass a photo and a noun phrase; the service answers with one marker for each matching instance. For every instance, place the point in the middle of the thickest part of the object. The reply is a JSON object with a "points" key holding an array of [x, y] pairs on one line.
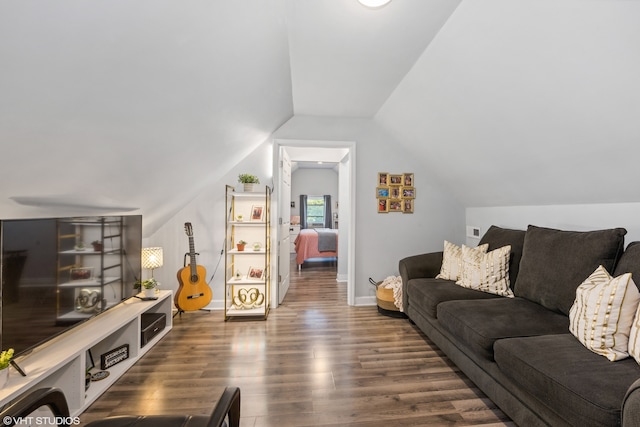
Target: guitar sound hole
{"points": [[194, 279]]}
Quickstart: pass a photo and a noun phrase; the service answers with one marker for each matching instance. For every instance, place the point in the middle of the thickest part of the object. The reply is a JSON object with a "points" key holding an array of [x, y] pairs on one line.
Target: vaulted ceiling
{"points": [[133, 102]]}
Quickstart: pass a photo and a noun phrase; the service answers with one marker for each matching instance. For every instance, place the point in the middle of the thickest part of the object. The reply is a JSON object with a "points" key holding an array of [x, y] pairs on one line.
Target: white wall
{"points": [[383, 239], [314, 182], [207, 215], [565, 217]]}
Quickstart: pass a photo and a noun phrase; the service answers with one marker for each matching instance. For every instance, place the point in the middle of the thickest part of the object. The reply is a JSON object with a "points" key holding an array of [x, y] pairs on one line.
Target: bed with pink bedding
{"points": [[311, 244]]}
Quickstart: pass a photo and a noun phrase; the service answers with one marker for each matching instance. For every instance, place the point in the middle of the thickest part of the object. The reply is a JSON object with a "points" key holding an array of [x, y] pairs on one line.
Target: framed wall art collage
{"points": [[395, 192]]}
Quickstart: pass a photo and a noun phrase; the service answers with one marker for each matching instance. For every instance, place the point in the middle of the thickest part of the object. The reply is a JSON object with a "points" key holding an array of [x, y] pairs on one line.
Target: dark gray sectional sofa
{"points": [[519, 351]]}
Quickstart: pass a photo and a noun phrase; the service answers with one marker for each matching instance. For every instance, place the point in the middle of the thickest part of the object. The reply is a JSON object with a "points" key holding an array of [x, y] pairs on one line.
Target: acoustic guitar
{"points": [[193, 293]]}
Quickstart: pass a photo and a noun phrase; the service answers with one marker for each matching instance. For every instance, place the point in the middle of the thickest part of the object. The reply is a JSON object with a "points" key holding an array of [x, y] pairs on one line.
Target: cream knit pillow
{"points": [[602, 314], [452, 260], [486, 272]]}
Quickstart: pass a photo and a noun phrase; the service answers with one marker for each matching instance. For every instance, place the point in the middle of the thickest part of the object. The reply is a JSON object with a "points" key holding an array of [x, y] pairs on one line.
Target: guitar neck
{"points": [[192, 256]]}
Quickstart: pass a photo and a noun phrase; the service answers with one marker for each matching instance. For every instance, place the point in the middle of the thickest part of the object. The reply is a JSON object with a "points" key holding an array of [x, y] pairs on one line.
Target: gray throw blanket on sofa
{"points": [[326, 240]]}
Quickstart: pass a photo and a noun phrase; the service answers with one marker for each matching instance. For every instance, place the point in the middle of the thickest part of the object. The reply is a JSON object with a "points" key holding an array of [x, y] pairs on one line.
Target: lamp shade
{"points": [[151, 258]]}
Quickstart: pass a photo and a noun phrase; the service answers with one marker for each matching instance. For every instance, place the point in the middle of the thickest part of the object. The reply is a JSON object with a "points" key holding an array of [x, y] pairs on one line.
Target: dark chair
{"points": [[225, 413]]}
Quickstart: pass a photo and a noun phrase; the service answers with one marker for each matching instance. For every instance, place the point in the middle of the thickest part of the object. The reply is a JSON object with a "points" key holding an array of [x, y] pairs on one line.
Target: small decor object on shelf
{"points": [[248, 181], [114, 356], [89, 301], [240, 245], [255, 273], [5, 360], [97, 245], [239, 218], [257, 246], [248, 298], [81, 273], [100, 375], [256, 212], [238, 275], [79, 247], [147, 286]]}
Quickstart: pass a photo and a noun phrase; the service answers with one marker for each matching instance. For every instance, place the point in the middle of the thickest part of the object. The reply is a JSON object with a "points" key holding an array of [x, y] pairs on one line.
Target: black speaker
{"points": [[152, 324]]}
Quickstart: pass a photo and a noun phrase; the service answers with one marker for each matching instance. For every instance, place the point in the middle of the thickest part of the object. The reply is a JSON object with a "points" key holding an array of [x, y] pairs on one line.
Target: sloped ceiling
{"points": [[347, 59], [528, 102], [137, 103], [141, 103]]}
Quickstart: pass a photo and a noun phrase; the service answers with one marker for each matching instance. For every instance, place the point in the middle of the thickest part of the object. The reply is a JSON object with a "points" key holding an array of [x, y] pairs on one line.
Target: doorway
{"points": [[341, 153]]}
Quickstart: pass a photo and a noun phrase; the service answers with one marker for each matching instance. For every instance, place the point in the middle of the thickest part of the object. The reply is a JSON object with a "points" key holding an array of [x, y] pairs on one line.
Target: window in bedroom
{"points": [[315, 211]]}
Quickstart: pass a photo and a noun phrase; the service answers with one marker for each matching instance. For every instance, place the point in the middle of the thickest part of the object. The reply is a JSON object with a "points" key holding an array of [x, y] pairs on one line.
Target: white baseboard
{"points": [[366, 301]]}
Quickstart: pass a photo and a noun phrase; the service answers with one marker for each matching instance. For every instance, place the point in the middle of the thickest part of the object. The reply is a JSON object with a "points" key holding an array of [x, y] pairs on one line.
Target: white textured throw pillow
{"points": [[486, 272], [634, 337], [603, 312], [452, 260]]}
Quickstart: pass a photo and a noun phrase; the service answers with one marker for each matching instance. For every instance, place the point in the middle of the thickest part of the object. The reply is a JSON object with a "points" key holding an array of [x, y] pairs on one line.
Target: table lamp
{"points": [[151, 258]]}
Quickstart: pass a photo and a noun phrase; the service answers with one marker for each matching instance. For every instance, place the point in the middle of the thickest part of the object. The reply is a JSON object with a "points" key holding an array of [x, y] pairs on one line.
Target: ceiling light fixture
{"points": [[373, 4]]}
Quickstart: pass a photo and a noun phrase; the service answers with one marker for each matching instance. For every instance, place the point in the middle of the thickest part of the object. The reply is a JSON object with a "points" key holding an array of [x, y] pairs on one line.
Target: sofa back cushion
{"points": [[497, 237], [555, 262], [630, 262]]}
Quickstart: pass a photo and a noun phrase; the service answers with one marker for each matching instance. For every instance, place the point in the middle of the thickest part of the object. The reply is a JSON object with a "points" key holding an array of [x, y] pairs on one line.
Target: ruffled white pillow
{"points": [[452, 260], [486, 272], [602, 314]]}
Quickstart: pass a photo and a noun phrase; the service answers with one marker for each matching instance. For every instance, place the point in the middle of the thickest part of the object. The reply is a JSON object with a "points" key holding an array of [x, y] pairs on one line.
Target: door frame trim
{"points": [[350, 184]]}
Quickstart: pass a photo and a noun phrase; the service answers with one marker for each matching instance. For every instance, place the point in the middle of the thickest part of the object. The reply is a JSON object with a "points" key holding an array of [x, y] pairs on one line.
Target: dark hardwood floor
{"points": [[314, 362]]}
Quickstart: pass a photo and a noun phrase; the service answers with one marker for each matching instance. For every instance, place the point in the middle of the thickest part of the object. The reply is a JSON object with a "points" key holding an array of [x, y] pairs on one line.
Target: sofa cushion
{"points": [[425, 294], [497, 237], [584, 387], [479, 323], [452, 260], [602, 313], [555, 262], [630, 262], [486, 272]]}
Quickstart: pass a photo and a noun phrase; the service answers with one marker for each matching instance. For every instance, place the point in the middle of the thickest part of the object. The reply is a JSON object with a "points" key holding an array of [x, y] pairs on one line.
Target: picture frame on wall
{"points": [[407, 179], [383, 205], [395, 179], [408, 193], [395, 205], [382, 192], [383, 178], [395, 192], [407, 206]]}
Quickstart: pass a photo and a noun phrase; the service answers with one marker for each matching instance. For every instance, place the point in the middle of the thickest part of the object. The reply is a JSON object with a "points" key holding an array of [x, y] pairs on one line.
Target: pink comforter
{"points": [[307, 246]]}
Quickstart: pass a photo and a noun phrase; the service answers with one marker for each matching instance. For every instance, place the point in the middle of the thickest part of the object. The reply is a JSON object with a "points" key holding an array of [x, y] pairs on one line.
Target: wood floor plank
{"points": [[314, 362]]}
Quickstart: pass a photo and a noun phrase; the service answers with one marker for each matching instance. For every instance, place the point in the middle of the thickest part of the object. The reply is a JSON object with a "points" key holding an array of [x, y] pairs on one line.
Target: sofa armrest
{"points": [[416, 266], [631, 406]]}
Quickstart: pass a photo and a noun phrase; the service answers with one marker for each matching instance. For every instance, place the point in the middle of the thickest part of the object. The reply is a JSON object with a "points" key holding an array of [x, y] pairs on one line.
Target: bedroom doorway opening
{"points": [[289, 155]]}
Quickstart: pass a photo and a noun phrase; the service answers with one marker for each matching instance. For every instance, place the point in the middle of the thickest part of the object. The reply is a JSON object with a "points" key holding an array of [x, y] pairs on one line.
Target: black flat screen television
{"points": [[53, 277]]}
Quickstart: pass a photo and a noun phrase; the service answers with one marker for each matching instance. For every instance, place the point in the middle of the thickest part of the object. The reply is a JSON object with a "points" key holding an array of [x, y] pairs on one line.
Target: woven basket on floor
{"points": [[384, 297], [386, 301]]}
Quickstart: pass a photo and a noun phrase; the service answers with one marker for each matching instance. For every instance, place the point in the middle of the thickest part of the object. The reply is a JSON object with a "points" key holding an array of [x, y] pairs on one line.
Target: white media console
{"points": [[63, 361]]}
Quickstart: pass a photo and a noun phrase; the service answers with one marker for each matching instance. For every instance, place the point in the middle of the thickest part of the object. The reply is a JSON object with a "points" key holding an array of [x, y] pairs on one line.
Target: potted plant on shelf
{"points": [[257, 246], [240, 245], [149, 286], [5, 360], [97, 245], [248, 180]]}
